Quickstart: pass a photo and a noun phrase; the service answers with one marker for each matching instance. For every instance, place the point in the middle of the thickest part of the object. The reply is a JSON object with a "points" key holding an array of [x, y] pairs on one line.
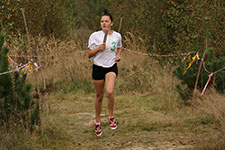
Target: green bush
{"points": [[212, 64], [16, 103]]}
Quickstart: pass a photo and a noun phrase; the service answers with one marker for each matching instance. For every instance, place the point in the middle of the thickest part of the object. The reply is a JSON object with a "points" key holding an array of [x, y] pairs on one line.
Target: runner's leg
{"points": [[110, 82], [99, 87]]}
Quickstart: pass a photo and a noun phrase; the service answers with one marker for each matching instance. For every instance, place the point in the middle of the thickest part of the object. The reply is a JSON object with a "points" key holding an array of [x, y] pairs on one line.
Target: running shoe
{"points": [[98, 129], [112, 123]]}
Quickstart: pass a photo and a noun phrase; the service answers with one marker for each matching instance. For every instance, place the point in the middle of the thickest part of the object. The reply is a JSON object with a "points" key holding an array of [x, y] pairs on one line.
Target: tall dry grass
{"points": [[66, 66], [211, 107], [65, 62], [134, 42]]}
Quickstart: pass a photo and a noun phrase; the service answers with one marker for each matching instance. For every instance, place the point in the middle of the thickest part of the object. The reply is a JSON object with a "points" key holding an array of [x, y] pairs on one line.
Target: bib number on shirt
{"points": [[114, 46]]}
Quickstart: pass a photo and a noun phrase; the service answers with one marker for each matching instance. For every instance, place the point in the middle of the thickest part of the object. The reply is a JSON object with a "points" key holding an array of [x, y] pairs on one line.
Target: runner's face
{"points": [[106, 23]]}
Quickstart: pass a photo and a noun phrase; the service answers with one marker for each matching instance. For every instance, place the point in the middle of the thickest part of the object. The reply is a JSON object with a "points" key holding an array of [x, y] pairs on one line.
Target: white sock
{"points": [[97, 123]]}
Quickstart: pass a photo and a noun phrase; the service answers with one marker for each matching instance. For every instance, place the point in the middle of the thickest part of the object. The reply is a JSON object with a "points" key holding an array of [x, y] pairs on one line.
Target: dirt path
{"points": [[139, 125]]}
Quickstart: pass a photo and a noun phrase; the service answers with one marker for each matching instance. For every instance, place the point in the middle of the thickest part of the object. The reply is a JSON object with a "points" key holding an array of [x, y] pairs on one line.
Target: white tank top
{"points": [[105, 58]]}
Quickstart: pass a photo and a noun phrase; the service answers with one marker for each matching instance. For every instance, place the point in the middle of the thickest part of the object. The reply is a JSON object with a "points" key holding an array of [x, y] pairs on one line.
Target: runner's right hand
{"points": [[101, 47]]}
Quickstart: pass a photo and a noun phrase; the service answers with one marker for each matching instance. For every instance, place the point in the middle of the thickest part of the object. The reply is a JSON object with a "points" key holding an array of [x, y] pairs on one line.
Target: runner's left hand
{"points": [[117, 58]]}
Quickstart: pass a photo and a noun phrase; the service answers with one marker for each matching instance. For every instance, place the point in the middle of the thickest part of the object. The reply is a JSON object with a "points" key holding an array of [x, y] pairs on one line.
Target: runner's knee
{"points": [[109, 93], [99, 97]]}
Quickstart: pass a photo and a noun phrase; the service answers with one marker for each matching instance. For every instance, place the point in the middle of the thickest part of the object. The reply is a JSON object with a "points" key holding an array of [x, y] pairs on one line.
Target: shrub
{"points": [[211, 64], [16, 102]]}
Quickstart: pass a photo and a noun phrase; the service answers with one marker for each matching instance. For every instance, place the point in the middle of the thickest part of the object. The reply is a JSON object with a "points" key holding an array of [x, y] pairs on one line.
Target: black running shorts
{"points": [[98, 73]]}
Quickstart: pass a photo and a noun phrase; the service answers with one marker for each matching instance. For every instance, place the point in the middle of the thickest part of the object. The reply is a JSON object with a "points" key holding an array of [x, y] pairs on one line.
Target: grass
{"points": [[134, 118], [69, 125]]}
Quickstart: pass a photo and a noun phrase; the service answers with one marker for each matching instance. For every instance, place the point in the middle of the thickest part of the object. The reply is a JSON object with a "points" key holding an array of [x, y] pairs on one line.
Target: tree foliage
{"points": [[16, 102], [43, 17], [169, 24]]}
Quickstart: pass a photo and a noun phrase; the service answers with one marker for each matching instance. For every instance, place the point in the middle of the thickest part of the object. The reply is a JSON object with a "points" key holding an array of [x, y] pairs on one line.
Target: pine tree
{"points": [[16, 102], [5, 88]]}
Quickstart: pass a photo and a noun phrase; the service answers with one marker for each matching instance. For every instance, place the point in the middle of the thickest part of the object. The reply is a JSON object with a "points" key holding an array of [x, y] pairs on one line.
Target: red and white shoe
{"points": [[112, 123], [98, 129]]}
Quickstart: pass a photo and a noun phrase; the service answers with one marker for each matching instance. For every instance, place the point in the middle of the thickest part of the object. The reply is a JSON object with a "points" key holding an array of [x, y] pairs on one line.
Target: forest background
{"points": [[168, 25]]}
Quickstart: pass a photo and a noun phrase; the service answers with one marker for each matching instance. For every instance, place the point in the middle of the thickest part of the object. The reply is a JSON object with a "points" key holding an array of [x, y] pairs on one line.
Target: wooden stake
{"points": [[121, 21], [27, 32], [44, 82], [203, 57], [197, 78], [36, 79]]}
